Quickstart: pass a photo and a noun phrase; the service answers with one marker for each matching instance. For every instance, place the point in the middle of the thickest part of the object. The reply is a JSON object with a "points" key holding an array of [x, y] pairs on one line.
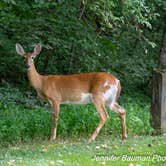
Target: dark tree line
{"points": [[122, 37]]}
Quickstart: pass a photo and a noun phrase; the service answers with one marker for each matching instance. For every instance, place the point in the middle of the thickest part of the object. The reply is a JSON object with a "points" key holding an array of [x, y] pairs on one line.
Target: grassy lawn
{"points": [[144, 150], [25, 125]]}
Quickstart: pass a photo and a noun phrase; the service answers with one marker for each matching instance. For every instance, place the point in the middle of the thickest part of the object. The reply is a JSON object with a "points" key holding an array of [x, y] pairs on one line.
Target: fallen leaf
{"points": [[45, 149], [52, 162], [97, 147], [87, 147], [131, 149], [104, 146], [59, 161], [136, 136], [164, 134], [15, 148], [131, 164], [10, 162]]}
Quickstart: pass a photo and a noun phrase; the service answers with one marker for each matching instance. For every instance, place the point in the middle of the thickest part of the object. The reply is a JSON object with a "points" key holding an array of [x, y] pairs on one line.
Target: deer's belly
{"points": [[85, 98]]}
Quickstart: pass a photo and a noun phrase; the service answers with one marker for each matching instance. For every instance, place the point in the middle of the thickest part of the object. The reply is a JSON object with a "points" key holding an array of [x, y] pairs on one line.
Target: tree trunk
{"points": [[158, 105], [162, 63]]}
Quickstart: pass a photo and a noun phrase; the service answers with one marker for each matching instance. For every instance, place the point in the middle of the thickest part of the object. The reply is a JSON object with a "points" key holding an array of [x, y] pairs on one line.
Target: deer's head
{"points": [[28, 57]]}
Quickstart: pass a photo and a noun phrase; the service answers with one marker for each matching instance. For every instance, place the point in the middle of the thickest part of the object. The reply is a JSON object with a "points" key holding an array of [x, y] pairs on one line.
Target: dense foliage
{"points": [[122, 37]]}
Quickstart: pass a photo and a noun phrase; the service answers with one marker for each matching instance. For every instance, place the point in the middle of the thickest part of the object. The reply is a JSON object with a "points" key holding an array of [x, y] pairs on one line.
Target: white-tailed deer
{"points": [[102, 89]]}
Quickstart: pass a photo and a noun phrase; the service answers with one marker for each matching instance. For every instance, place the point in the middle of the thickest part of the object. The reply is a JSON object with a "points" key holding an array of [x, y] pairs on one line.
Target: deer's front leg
{"points": [[55, 115]]}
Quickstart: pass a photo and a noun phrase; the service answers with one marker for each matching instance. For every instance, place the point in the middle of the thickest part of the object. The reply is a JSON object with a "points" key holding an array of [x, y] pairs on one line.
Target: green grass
{"points": [[25, 118], [25, 125], [147, 150]]}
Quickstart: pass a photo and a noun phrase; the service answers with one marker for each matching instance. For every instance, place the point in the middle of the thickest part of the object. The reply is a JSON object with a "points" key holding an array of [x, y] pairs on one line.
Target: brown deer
{"points": [[102, 89]]}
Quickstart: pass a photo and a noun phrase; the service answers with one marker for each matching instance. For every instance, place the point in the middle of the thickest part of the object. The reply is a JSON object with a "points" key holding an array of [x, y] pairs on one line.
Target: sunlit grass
{"points": [[25, 125], [144, 150]]}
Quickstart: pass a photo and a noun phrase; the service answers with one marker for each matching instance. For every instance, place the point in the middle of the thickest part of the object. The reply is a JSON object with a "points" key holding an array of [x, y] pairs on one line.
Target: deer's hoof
{"points": [[91, 139], [124, 137]]}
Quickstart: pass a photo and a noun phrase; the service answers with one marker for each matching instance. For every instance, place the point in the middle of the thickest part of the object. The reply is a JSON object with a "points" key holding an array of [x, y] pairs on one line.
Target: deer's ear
{"points": [[37, 50], [19, 49]]}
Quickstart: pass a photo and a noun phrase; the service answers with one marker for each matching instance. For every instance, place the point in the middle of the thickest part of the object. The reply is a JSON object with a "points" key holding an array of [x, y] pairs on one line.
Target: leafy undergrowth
{"points": [[24, 118], [142, 151]]}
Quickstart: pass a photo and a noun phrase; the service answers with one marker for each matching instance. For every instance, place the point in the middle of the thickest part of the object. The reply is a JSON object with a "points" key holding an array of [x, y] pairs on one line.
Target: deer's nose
{"points": [[27, 65]]}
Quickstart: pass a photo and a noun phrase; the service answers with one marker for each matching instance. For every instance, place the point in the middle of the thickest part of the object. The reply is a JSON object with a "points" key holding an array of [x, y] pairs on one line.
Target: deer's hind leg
{"points": [[122, 113], [100, 106]]}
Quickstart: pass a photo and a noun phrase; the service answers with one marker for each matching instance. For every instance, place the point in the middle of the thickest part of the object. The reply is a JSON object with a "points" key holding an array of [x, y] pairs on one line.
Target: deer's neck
{"points": [[34, 77]]}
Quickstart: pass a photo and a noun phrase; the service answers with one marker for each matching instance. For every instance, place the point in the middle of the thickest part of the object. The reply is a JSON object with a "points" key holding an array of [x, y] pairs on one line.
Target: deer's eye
{"points": [[32, 57]]}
